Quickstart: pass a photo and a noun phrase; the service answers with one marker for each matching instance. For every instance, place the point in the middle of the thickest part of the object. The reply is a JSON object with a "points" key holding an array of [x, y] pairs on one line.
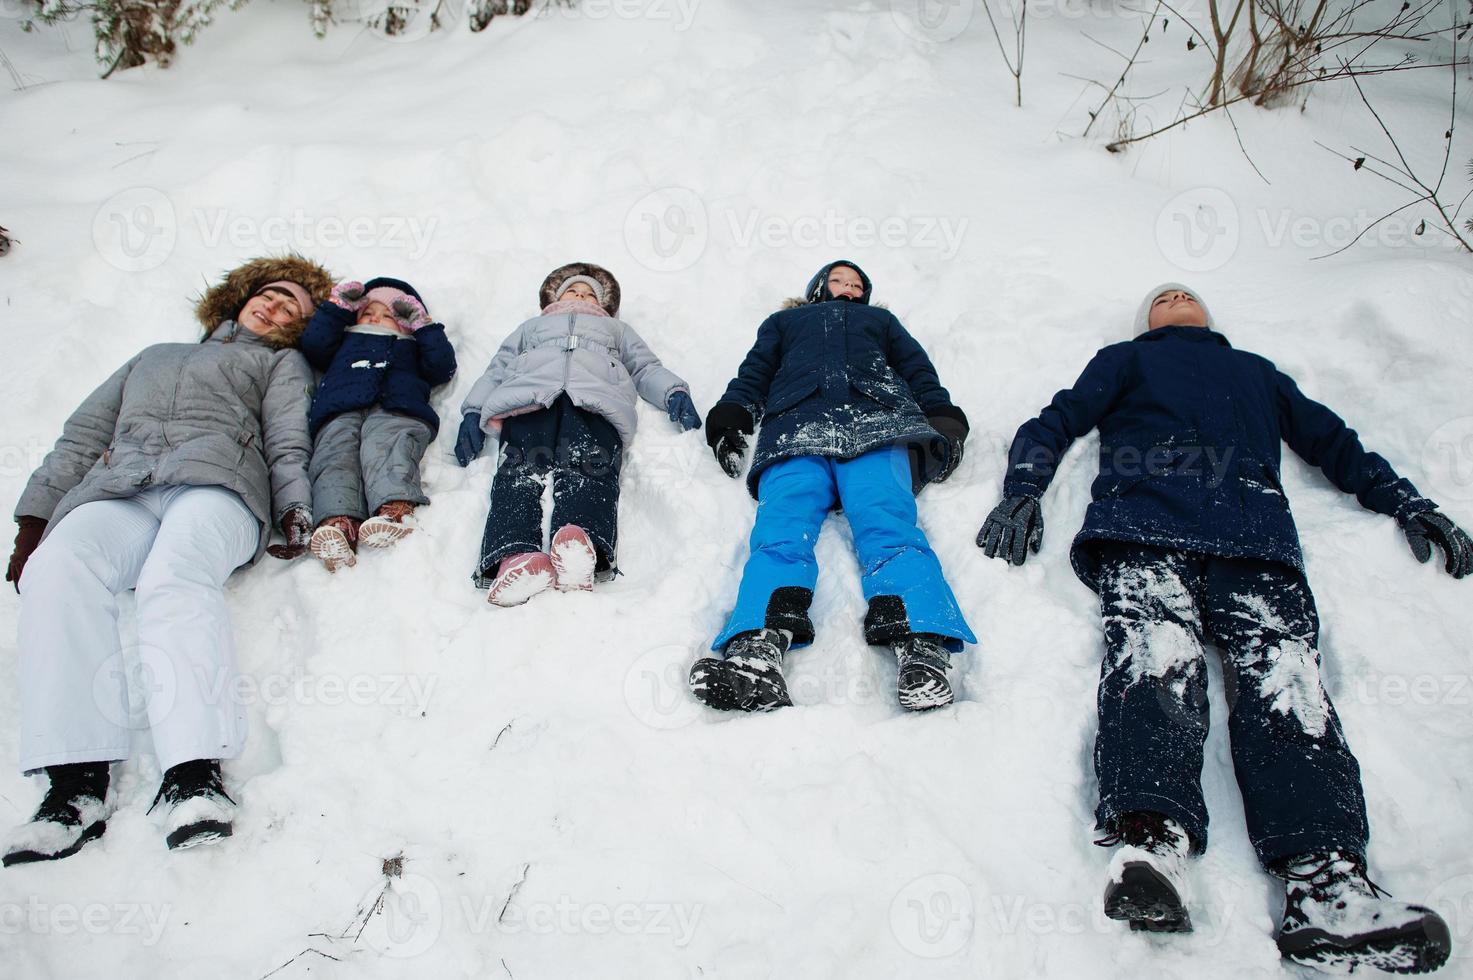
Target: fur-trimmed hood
{"points": [[547, 295], [224, 300]]}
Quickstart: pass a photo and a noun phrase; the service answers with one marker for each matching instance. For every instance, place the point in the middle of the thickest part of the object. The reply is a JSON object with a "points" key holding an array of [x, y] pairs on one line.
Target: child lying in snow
{"points": [[1189, 538], [562, 392], [371, 419], [853, 415]]}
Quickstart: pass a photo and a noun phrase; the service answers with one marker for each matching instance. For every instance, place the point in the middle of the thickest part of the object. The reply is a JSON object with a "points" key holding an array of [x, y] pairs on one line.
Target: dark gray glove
{"points": [[727, 427], [1432, 527], [1014, 528]]}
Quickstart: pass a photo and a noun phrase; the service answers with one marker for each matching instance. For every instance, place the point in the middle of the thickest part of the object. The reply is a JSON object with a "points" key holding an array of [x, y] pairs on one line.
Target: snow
{"points": [[561, 806]]}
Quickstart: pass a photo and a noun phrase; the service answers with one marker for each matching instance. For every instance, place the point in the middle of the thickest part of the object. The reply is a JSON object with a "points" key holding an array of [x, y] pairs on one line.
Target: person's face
{"points": [[1176, 308], [580, 291], [269, 310], [844, 283], [379, 315]]}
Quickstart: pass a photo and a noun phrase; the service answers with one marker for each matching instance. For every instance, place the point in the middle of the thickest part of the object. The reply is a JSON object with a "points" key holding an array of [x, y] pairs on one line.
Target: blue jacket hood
{"points": [[818, 286]]}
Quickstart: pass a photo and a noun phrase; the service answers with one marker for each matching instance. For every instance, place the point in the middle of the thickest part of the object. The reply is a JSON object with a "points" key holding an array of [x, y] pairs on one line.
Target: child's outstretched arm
{"points": [[654, 382], [436, 357]]}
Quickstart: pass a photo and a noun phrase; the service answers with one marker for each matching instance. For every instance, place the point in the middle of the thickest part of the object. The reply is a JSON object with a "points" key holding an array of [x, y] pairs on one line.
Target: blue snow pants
{"points": [[1300, 783], [902, 577], [581, 453]]}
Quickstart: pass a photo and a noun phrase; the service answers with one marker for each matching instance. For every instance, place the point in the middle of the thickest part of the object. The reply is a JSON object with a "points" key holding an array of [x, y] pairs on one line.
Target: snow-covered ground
{"points": [[561, 807]]}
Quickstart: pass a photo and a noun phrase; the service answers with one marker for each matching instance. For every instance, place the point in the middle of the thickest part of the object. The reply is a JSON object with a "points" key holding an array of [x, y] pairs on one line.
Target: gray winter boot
{"points": [[922, 664], [1335, 919], [749, 677]]}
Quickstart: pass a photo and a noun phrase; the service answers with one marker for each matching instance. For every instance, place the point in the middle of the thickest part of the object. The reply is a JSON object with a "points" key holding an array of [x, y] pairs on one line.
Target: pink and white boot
{"points": [[573, 559], [520, 577]]}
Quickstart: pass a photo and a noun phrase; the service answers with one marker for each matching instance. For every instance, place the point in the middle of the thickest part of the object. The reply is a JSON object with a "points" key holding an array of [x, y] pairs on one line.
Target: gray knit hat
{"points": [[589, 281], [1143, 315]]}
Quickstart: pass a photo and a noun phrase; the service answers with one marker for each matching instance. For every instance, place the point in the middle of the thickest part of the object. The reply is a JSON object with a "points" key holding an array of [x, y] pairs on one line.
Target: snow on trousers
{"points": [[365, 458], [581, 453], [175, 546], [901, 575], [1300, 783]]}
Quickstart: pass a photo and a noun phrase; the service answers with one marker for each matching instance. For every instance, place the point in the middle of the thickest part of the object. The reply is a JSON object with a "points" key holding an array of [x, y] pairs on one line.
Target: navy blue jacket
{"points": [[1190, 433], [365, 369], [839, 378]]}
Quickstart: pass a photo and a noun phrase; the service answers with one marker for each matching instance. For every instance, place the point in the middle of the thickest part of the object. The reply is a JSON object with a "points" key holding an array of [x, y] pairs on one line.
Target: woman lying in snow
{"points": [[1189, 538], [852, 415], [562, 392], [371, 418], [166, 479]]}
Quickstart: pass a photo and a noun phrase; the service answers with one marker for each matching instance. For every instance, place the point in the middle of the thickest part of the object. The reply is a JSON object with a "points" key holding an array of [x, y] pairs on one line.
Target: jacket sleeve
{"points": [[84, 438], [436, 356], [654, 382], [324, 333], [1041, 442], [749, 388], [1320, 436], [288, 445], [494, 374], [910, 361]]}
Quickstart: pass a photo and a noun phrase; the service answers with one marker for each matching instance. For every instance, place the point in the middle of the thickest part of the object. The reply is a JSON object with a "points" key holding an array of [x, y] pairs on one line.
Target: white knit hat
{"points": [[1143, 315]]}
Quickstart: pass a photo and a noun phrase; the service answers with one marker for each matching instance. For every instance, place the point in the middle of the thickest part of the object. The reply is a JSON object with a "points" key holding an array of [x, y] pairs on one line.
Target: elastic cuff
{"points": [[950, 412]]}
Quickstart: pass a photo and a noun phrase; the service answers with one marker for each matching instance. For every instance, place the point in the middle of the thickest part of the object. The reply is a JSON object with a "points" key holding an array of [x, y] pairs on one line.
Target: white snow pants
{"points": [[175, 546]]}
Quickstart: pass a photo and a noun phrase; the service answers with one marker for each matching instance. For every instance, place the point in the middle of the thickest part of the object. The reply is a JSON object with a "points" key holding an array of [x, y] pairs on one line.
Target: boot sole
{"points": [[30, 857], [927, 697], [711, 686], [726, 686], [194, 834], [516, 591], [332, 549], [1145, 899], [1418, 947], [380, 532], [574, 561]]}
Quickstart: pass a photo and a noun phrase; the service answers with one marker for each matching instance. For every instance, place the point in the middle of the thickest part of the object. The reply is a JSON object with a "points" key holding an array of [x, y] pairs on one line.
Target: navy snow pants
{"points": [[1300, 783], [581, 453]]}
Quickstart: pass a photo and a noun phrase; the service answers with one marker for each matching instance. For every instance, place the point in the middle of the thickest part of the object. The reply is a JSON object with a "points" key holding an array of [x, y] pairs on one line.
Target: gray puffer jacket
{"points": [[600, 362], [230, 412]]}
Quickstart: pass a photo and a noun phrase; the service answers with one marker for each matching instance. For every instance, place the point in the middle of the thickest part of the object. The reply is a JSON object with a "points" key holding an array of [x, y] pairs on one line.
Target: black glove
{"points": [[952, 425], [470, 440], [727, 427], [26, 540], [296, 524], [1014, 528], [1432, 527]]}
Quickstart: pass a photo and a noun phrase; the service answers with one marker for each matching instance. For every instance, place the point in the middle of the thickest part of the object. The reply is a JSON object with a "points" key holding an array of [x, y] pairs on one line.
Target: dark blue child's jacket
{"points": [[365, 369], [1190, 431]]}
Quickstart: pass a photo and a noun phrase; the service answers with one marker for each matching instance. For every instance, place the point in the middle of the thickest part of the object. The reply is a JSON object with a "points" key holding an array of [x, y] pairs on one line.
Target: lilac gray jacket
{"points": [[598, 361]]}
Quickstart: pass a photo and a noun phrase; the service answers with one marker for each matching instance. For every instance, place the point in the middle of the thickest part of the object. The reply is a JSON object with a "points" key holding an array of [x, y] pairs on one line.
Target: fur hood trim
{"points": [[224, 300]]}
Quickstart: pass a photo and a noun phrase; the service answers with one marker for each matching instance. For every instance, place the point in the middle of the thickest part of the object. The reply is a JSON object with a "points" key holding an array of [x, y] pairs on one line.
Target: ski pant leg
{"points": [[1153, 688], [514, 522], [793, 498], [902, 578], [391, 450], [336, 468], [184, 637], [585, 478], [1301, 784], [73, 682]]}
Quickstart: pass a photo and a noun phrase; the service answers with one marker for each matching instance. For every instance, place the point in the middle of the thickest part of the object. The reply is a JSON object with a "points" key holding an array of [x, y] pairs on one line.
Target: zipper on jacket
{"points": [[568, 349]]}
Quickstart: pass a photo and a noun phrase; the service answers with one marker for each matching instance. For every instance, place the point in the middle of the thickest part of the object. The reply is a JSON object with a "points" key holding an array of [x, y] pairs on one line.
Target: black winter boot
{"points": [[200, 812], [749, 678], [922, 663], [1148, 873], [1336, 919], [73, 812]]}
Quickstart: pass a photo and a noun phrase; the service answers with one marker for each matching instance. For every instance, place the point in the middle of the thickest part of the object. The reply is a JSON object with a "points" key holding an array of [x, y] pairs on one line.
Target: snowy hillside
{"points": [[562, 808]]}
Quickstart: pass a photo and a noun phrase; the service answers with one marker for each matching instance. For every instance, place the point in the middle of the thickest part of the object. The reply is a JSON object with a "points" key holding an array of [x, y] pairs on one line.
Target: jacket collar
{"points": [[1201, 335], [230, 332]]}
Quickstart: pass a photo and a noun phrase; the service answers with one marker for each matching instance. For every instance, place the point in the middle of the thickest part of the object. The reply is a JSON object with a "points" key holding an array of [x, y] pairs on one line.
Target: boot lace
{"points": [[1323, 872], [1148, 831], [188, 780]]}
